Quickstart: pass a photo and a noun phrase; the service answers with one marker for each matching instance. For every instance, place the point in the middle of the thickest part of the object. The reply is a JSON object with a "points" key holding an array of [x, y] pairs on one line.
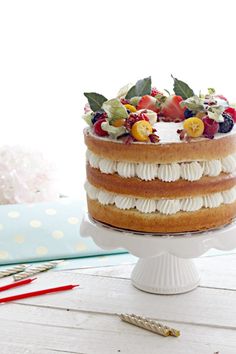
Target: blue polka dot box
{"points": [[44, 231]]}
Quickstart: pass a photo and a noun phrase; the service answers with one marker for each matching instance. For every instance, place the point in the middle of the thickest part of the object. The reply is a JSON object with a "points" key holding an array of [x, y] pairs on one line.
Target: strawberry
{"points": [[171, 108], [231, 111], [148, 102]]}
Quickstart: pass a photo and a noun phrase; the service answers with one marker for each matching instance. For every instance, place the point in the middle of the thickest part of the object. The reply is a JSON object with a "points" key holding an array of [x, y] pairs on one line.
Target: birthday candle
{"points": [[150, 325], [12, 270], [34, 270]]}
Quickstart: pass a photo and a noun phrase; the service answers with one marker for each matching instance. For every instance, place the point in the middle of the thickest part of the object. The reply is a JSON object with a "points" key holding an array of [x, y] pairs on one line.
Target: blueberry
{"points": [[98, 115], [188, 113], [227, 125]]}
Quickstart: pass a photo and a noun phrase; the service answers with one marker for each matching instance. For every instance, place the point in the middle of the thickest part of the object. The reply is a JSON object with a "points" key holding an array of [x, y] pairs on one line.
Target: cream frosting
{"points": [[190, 171], [107, 166], [106, 198], [91, 191], [228, 164], [191, 204], [211, 168], [168, 207], [163, 206], [145, 205], [146, 171], [126, 170], [124, 202], [212, 200], [229, 196], [169, 172]]}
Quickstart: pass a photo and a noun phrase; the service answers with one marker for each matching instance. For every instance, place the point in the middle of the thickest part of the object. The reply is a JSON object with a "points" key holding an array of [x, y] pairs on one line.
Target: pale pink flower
{"points": [[25, 176]]}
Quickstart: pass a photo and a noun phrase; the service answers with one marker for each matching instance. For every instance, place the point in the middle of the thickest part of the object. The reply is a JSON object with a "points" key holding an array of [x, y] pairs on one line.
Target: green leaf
{"points": [[182, 89], [141, 88], [211, 91], [115, 109], [215, 112], [194, 103], [95, 100], [131, 93]]}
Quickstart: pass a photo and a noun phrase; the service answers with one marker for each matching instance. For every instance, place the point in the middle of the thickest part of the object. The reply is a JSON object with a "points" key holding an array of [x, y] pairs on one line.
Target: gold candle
{"points": [[150, 325]]}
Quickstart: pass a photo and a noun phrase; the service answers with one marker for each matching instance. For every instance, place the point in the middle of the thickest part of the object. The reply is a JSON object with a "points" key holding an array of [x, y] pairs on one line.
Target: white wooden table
{"points": [[84, 320]]}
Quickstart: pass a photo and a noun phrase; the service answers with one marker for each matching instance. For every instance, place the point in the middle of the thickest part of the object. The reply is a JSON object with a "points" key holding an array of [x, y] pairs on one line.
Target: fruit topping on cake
{"points": [[134, 115]]}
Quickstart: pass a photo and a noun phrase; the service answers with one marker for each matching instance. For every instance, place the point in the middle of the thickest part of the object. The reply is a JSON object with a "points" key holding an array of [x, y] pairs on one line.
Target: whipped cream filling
{"points": [[163, 206], [190, 171]]}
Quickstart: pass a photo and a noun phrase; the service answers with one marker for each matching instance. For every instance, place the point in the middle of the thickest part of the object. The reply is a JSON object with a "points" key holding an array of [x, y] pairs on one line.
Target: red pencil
{"points": [[16, 283], [37, 293]]}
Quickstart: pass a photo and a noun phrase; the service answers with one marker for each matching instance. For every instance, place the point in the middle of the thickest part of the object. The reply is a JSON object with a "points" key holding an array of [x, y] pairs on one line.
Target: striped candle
{"points": [[12, 270], [34, 270]]}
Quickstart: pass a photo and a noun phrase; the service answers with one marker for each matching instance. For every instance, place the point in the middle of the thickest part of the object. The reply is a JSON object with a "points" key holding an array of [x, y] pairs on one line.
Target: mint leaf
{"points": [[193, 103], [115, 109], [95, 100], [182, 89], [141, 88]]}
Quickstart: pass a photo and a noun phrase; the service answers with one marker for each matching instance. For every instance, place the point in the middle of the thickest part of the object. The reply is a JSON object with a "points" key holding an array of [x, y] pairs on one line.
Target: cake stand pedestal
{"points": [[165, 265]]}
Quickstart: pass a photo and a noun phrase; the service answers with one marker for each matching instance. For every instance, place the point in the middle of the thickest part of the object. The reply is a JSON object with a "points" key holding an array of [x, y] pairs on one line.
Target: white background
{"points": [[53, 51]]}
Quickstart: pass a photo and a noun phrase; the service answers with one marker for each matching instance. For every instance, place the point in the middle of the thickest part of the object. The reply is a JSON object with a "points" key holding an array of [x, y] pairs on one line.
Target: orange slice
{"points": [[141, 130], [194, 127]]}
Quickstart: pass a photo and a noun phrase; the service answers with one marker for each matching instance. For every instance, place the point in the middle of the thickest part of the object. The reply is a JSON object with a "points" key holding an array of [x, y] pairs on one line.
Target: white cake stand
{"points": [[165, 265]]}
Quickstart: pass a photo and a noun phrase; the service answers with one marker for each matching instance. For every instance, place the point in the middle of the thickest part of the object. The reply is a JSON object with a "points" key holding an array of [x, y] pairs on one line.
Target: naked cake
{"points": [[160, 162]]}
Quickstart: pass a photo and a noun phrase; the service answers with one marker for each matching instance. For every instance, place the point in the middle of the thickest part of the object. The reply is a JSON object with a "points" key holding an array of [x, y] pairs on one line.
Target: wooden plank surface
{"points": [[84, 320], [81, 332]]}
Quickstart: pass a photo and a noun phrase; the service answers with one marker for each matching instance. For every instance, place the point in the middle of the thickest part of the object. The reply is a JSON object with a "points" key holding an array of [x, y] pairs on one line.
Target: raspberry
{"points": [[211, 127], [155, 92], [227, 125]]}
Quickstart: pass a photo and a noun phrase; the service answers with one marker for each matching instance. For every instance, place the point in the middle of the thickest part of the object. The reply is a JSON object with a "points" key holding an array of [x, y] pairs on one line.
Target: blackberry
{"points": [[227, 125], [188, 113]]}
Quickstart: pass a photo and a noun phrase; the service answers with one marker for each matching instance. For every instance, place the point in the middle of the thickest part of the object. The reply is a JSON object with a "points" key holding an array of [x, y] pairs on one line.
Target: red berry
{"points": [[155, 92], [232, 112], [211, 127], [98, 129], [171, 108], [124, 101], [148, 102]]}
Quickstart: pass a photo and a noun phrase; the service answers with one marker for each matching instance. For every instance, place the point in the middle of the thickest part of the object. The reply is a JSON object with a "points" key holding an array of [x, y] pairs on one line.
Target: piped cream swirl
{"points": [[163, 206], [190, 171]]}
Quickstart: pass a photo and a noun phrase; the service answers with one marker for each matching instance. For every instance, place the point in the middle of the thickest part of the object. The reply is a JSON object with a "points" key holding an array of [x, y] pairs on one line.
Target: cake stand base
{"points": [[165, 263], [165, 274]]}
